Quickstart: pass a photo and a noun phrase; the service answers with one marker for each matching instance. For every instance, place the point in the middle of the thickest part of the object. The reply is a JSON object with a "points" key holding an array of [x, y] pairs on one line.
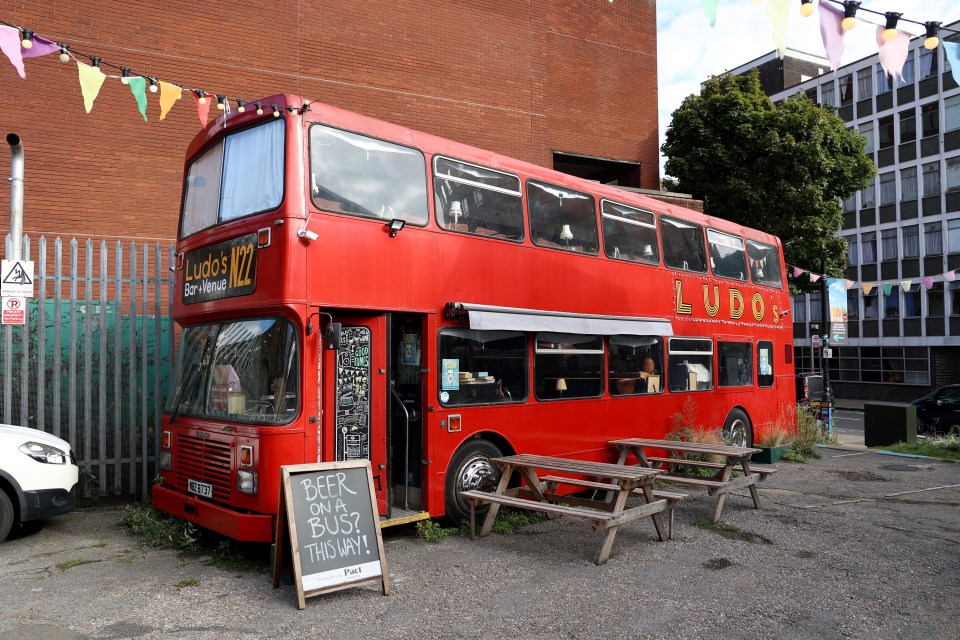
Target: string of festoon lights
{"points": [[19, 43], [891, 20]]}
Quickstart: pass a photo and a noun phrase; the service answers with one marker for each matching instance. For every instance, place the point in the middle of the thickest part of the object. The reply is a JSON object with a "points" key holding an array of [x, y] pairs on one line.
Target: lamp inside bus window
{"points": [[635, 365], [367, 177], [491, 366], [562, 219], [727, 257], [691, 364], [629, 233], [568, 365], [239, 176], [477, 200], [244, 371], [682, 245], [764, 264]]}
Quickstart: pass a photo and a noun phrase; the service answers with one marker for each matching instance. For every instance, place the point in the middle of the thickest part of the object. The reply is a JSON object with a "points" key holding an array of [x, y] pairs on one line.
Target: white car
{"points": [[38, 476]]}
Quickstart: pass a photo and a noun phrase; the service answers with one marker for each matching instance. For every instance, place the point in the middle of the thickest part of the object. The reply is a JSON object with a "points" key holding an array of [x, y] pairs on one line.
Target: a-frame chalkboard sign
{"points": [[328, 514]]}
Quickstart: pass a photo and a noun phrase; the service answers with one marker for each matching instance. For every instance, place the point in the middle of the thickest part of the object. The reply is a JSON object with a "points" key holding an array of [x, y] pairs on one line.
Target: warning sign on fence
{"points": [[16, 278], [14, 310]]}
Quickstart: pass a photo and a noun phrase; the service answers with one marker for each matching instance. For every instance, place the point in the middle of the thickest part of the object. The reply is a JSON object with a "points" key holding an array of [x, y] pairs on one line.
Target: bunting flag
{"points": [[867, 287], [41, 47], [893, 54], [777, 12], [91, 79], [952, 50], [10, 45], [887, 288], [710, 10], [797, 272], [906, 284], [950, 276], [832, 33], [203, 108], [928, 282], [169, 93], [848, 284], [814, 276], [138, 87]]}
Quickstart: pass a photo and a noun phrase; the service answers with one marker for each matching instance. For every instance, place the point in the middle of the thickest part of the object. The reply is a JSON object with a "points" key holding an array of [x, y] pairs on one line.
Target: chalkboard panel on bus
{"points": [[329, 510]]}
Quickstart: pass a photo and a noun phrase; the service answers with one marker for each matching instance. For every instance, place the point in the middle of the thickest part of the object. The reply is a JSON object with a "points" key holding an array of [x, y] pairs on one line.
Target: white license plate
{"points": [[204, 489]]}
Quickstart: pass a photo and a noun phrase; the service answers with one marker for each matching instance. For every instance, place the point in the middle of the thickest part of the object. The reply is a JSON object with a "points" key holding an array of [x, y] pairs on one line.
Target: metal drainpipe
{"points": [[16, 196]]}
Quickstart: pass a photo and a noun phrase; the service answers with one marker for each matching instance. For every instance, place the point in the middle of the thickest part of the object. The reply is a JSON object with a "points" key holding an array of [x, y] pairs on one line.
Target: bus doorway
{"points": [[405, 437]]}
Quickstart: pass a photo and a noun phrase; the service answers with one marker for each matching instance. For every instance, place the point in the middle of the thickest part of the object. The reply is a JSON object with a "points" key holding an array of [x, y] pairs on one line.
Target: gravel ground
{"points": [[856, 545]]}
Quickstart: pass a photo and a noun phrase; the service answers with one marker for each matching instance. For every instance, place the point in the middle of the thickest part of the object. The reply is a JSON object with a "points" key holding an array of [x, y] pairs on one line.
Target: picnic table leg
{"points": [[648, 494], [612, 531], [754, 492], [473, 518], [724, 477], [494, 508]]}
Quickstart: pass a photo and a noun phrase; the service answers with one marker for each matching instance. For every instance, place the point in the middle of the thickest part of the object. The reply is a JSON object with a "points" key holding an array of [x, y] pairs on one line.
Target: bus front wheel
{"points": [[737, 430], [470, 469]]}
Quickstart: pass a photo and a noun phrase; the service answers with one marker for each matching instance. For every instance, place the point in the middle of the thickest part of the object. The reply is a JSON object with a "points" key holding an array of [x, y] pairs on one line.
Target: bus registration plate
{"points": [[203, 489]]}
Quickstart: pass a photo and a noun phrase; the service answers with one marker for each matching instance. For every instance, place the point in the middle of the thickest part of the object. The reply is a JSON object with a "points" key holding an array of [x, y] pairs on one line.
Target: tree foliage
{"points": [[783, 168]]}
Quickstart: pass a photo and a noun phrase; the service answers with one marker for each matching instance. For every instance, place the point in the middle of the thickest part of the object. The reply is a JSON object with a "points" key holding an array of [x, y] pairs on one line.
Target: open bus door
{"points": [[355, 386]]}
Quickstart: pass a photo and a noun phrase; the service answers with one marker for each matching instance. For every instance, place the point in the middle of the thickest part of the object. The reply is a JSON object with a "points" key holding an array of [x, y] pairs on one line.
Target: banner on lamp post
{"points": [[837, 299]]}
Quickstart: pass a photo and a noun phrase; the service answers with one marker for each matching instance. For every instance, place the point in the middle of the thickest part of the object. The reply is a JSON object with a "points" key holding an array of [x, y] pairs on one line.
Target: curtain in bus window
{"points": [[367, 177], [682, 245], [253, 171], [201, 199], [562, 219]]}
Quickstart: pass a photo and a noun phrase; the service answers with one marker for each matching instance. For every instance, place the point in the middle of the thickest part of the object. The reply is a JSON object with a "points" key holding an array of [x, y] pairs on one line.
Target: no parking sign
{"points": [[14, 310]]}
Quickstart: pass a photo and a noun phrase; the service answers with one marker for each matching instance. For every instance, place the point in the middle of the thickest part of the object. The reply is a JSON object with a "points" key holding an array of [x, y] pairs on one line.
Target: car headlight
{"points": [[44, 453], [247, 481], [166, 460]]}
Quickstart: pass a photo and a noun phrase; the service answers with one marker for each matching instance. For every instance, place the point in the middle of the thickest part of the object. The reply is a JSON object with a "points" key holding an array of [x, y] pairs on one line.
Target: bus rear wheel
{"points": [[470, 469], [737, 430]]}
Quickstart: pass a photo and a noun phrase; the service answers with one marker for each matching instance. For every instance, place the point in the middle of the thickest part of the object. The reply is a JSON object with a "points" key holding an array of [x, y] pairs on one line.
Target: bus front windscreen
{"points": [[245, 371]]}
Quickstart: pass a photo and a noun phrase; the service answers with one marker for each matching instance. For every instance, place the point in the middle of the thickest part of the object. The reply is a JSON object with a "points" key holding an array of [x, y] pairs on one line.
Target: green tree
{"points": [[783, 168]]}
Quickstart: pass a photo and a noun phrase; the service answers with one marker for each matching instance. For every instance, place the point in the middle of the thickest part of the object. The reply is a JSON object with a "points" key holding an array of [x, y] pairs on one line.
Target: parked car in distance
{"points": [[938, 412], [38, 476]]}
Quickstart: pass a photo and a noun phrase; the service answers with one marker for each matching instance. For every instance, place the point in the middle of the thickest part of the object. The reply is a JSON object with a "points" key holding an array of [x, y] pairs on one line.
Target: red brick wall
{"points": [[521, 78]]}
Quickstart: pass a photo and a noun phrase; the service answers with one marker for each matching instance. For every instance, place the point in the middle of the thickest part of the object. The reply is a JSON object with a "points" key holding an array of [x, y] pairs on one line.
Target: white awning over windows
{"points": [[485, 317]]}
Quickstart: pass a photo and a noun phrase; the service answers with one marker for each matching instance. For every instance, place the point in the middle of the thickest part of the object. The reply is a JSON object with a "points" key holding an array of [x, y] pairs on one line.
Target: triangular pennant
{"points": [[867, 287], [169, 93], [952, 50], [928, 282], [41, 47], [91, 79], [10, 45], [203, 108], [887, 288], [138, 87], [777, 12], [797, 272], [893, 54], [814, 276], [831, 32], [710, 10], [950, 276], [848, 284], [906, 284]]}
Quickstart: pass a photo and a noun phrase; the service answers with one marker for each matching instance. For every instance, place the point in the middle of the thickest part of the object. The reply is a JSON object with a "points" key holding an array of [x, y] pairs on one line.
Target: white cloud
{"points": [[689, 51]]}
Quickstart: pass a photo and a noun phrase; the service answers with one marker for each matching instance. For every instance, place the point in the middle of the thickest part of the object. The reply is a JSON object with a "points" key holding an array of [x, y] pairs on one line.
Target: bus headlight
{"points": [[247, 481], [166, 460]]}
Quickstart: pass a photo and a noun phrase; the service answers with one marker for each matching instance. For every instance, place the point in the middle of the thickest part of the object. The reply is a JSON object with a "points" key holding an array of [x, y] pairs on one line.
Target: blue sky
{"points": [[689, 51]]}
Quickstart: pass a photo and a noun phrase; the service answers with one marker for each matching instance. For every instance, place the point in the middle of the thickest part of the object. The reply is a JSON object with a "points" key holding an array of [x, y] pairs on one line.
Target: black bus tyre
{"points": [[470, 469], [737, 430], [6, 515]]}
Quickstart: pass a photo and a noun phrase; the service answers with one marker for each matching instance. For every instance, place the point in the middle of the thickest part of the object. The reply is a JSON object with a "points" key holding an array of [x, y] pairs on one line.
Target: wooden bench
{"points": [[708, 465]]}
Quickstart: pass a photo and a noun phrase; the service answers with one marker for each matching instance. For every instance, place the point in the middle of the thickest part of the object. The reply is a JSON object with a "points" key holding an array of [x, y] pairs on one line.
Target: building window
{"points": [[864, 83], [885, 132], [846, 90], [911, 302], [891, 302], [888, 245], [928, 62], [908, 126], [953, 174], [868, 247], [935, 300], [931, 179], [866, 130], [867, 196], [930, 119], [911, 242], [816, 307], [908, 76], [798, 308], [853, 257], [870, 308], [953, 236], [932, 239], [826, 95], [955, 298], [850, 204], [908, 184], [883, 80], [853, 304], [888, 188], [951, 109]]}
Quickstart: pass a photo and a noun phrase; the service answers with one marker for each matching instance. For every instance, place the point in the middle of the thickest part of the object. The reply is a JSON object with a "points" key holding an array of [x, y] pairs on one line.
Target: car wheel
{"points": [[470, 469], [737, 430], [6, 515]]}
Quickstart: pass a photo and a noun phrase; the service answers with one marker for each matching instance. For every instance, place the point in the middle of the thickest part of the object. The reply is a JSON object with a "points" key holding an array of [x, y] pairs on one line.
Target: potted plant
{"points": [[771, 445]]}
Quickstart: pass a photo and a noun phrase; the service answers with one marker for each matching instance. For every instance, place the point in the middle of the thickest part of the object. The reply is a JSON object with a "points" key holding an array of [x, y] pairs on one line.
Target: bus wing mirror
{"points": [[331, 335]]}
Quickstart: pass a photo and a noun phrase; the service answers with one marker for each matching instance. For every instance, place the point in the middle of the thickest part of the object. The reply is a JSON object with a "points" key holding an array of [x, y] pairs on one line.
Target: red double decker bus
{"points": [[352, 289]]}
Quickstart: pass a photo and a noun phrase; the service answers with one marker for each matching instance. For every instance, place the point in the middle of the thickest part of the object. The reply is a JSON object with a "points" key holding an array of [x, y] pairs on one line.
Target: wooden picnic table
{"points": [[540, 494], [722, 482]]}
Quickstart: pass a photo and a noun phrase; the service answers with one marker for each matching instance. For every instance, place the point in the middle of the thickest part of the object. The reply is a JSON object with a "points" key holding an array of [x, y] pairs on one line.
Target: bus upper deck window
{"points": [[683, 245], [562, 219], [727, 257], [764, 264]]}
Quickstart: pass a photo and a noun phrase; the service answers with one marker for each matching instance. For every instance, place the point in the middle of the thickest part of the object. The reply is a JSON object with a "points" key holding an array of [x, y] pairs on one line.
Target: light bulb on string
{"points": [[276, 111], [124, 75], [259, 109], [890, 30], [26, 40], [153, 84], [806, 8], [201, 96], [220, 103], [64, 53], [240, 106], [931, 41], [849, 14]]}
